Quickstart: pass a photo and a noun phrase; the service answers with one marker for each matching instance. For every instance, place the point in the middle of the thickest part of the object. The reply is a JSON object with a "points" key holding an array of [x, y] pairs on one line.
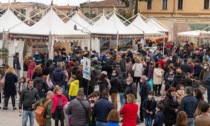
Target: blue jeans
{"points": [[64, 89], [27, 114], [122, 100], [148, 121], [101, 123], [190, 122]]}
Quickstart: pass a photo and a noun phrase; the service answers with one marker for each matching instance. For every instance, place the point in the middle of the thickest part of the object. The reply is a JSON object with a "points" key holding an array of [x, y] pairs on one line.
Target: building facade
{"points": [[93, 9], [174, 12]]}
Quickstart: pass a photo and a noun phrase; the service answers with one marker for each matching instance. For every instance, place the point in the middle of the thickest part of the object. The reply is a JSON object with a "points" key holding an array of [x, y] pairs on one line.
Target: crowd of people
{"points": [[171, 84]]}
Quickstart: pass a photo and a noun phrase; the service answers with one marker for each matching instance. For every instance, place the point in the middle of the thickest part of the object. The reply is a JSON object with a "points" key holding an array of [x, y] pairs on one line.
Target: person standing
{"points": [[48, 108], [129, 111], [31, 66], [130, 88], [159, 116], [16, 64], [204, 118], [102, 108], [74, 87], [113, 118], [122, 64], [204, 78], [59, 100], [157, 78], [10, 87], [37, 58], [170, 107], [144, 91], [148, 106], [27, 99], [79, 109], [58, 76], [138, 71], [189, 104], [115, 83], [179, 78]]}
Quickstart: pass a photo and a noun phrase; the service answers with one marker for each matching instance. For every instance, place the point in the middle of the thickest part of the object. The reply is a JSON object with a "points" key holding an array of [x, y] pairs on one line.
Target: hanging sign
{"points": [[86, 68]]}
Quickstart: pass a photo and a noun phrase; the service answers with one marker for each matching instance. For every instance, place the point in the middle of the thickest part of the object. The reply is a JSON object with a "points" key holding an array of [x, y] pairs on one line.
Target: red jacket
{"points": [[129, 112], [55, 101], [161, 63]]}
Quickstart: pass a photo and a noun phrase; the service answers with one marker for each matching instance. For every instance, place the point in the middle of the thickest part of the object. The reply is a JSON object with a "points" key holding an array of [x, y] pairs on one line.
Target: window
{"points": [[206, 4], [149, 5], [180, 4], [164, 4]]}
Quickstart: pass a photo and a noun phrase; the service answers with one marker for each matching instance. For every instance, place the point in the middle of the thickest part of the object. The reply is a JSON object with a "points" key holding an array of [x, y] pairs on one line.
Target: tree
{"points": [[130, 5]]}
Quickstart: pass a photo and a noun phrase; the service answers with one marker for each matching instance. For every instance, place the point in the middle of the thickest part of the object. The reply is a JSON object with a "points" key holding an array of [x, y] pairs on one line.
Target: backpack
{"points": [[39, 112]]}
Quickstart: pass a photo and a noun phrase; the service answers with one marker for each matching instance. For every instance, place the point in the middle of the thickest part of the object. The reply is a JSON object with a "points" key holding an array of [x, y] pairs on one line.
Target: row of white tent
{"points": [[52, 24]]}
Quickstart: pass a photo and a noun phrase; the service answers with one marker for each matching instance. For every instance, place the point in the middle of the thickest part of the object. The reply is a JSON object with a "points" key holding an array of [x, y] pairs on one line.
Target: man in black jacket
{"points": [[28, 97], [131, 87], [144, 91], [16, 64], [185, 67], [122, 64], [179, 78]]}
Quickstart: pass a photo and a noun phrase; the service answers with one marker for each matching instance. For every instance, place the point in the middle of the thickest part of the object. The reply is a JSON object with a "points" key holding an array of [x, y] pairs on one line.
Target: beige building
{"points": [[36, 10], [176, 13], [93, 9]]}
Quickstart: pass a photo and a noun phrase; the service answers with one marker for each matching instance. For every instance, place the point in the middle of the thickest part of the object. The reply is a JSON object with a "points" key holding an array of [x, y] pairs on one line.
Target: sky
{"points": [[47, 2]]}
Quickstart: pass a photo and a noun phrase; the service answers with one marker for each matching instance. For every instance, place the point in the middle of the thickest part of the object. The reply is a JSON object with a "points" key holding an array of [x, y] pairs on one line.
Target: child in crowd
{"points": [[22, 85], [159, 116], [113, 118], [74, 87], [148, 106], [59, 100]]}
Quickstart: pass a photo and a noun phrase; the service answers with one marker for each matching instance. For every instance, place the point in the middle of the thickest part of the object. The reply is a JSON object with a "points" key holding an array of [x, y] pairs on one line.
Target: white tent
{"points": [[114, 26], [9, 22], [157, 26], [138, 23], [100, 21], [196, 33], [77, 20]]}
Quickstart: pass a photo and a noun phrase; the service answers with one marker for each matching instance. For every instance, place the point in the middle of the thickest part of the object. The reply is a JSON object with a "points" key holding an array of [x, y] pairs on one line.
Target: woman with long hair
{"points": [[10, 87], [138, 71], [37, 71], [198, 94], [198, 109], [181, 119], [31, 66], [158, 78], [25, 65]]}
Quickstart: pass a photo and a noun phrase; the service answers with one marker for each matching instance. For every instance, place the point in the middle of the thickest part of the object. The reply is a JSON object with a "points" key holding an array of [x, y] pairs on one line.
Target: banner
{"points": [[86, 68], [104, 44]]}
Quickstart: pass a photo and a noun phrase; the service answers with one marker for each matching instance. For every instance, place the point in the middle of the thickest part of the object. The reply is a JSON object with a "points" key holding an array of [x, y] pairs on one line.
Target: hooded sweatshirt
{"points": [[74, 88]]}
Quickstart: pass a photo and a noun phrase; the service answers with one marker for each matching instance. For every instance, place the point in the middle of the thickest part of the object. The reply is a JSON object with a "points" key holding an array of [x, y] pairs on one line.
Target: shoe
{"points": [[14, 108], [5, 108]]}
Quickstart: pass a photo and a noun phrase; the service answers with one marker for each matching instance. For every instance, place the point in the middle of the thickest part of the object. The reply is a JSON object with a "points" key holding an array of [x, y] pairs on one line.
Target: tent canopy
{"points": [[114, 26], [9, 22], [138, 23], [195, 33], [50, 24], [101, 20], [153, 23]]}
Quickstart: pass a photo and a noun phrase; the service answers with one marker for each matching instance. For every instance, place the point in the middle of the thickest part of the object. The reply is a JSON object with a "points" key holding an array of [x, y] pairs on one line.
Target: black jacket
{"points": [[179, 79], [130, 89], [115, 83], [197, 71], [10, 87], [122, 85], [122, 64], [16, 63], [40, 84], [186, 68], [145, 107], [158, 119], [103, 84], [58, 76], [27, 98], [169, 110]]}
